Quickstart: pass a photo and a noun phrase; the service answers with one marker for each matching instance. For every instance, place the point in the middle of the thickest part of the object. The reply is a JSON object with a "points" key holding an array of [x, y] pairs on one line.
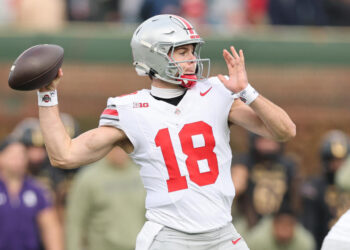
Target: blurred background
{"points": [[297, 55]]}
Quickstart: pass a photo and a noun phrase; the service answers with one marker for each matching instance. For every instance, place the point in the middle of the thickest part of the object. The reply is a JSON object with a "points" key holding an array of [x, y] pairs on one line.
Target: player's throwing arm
{"points": [[39, 68]]}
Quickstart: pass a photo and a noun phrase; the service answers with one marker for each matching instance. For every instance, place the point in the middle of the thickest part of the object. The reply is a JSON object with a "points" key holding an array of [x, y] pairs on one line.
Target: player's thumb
{"points": [[222, 78]]}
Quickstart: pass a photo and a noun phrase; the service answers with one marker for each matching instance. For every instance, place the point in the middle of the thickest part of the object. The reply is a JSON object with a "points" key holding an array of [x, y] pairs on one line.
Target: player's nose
{"points": [[193, 56]]}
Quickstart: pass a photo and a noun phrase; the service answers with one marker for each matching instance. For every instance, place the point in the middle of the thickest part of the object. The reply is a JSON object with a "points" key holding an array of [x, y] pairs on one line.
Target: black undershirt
{"points": [[173, 101]]}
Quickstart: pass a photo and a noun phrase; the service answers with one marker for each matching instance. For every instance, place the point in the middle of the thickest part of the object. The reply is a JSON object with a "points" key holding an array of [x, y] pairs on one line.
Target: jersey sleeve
{"points": [[119, 113], [110, 115]]}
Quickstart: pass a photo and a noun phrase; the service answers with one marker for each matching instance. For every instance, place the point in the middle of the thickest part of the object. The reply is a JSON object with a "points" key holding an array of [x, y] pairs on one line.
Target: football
{"points": [[36, 67]]}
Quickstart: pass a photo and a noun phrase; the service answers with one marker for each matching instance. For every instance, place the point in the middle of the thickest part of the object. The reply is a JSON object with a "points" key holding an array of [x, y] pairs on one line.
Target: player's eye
{"points": [[182, 52]]}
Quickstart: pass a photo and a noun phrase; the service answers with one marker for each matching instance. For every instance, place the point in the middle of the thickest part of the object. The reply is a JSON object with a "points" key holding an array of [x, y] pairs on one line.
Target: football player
{"points": [[178, 132]]}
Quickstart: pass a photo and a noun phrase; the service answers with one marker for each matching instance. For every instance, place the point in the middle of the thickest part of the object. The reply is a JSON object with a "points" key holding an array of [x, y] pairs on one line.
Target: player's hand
{"points": [[53, 85], [238, 79]]}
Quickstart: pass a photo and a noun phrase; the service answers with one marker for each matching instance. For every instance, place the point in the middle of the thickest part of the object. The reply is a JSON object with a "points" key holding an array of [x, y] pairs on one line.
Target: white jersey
{"points": [[338, 236], [184, 154]]}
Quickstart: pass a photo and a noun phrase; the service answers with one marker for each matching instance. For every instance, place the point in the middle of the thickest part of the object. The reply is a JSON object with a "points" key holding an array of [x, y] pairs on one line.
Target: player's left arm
{"points": [[262, 116]]}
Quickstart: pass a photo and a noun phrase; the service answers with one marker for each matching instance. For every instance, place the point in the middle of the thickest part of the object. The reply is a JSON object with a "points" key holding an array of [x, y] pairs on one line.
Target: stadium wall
{"points": [[305, 71]]}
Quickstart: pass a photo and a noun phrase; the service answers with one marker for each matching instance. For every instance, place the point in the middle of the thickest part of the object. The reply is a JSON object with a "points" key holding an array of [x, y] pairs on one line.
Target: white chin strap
{"points": [[166, 92]]}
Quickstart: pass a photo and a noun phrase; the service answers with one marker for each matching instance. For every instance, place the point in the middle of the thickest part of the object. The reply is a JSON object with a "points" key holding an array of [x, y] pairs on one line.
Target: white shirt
{"points": [[184, 154], [341, 230]]}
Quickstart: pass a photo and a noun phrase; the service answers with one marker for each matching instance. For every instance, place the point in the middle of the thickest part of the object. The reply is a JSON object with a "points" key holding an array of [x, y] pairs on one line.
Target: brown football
{"points": [[36, 67]]}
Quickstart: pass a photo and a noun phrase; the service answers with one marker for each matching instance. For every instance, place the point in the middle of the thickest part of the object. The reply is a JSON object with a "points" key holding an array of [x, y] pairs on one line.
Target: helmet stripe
{"points": [[189, 27]]}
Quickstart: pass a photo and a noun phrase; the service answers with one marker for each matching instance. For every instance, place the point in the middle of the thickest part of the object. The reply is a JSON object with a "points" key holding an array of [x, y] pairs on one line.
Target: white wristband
{"points": [[248, 95], [47, 99]]}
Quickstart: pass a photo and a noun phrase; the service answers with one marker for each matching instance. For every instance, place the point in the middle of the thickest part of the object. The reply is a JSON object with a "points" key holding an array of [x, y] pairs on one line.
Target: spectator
{"points": [[28, 219], [227, 14], [28, 131], [338, 236], [195, 11], [129, 10], [151, 8], [342, 176], [106, 205], [93, 10], [240, 214], [280, 232], [257, 11], [323, 201], [272, 179], [54, 179], [296, 12], [338, 12], [7, 12], [41, 15], [62, 190], [78, 10]]}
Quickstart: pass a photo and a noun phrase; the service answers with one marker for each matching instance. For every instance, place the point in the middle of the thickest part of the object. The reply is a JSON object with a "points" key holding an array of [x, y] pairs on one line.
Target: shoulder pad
{"points": [[122, 99]]}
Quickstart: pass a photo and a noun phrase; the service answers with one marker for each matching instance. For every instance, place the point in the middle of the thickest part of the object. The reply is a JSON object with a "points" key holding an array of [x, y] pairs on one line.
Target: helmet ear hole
{"points": [[152, 73], [140, 71]]}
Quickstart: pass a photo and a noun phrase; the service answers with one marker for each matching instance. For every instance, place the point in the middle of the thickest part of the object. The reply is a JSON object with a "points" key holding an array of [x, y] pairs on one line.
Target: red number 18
{"points": [[176, 181]]}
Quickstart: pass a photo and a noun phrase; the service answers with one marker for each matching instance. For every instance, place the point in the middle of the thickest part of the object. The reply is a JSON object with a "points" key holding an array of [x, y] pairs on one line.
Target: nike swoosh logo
{"points": [[206, 92], [235, 241]]}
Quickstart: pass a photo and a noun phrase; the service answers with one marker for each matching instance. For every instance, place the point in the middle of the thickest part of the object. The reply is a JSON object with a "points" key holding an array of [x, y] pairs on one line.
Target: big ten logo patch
{"points": [[141, 105]]}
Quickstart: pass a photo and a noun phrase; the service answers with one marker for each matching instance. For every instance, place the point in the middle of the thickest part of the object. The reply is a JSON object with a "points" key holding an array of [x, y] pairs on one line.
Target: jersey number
{"points": [[176, 181]]}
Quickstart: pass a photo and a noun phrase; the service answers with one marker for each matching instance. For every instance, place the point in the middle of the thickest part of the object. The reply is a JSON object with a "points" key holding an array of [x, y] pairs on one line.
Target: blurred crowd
{"points": [[101, 206], [276, 207], [232, 14]]}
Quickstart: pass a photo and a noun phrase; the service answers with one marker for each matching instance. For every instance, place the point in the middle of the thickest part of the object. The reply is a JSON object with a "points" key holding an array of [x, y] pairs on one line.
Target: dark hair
{"points": [[285, 209]]}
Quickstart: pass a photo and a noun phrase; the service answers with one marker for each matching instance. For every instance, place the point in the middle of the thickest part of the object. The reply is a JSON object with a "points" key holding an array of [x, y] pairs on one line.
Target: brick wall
{"points": [[316, 98]]}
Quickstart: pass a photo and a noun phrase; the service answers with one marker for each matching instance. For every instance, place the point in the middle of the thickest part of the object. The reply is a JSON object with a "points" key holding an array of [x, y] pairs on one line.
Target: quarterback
{"points": [[178, 132]]}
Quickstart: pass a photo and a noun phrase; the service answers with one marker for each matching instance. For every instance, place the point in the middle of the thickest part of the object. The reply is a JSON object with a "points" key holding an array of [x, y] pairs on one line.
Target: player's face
{"points": [[185, 53], [14, 159]]}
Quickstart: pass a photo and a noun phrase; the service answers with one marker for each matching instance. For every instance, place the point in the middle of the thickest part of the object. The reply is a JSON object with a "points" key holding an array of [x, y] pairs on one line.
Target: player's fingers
{"points": [[229, 60], [53, 85], [222, 78], [58, 77], [229, 57], [234, 53], [241, 54]]}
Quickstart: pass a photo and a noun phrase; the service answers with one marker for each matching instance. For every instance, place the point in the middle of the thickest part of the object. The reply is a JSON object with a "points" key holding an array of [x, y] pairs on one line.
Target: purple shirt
{"points": [[18, 217]]}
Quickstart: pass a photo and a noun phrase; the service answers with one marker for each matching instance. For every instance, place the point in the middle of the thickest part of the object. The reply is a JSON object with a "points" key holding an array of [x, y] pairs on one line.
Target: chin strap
{"points": [[188, 81]]}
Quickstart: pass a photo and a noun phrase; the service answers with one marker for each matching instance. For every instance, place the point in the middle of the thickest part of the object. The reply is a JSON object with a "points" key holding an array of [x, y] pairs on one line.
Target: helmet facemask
{"points": [[154, 43], [175, 72]]}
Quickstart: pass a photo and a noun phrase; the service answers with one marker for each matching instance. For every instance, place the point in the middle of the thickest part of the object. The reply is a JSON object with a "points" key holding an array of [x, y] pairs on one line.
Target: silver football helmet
{"points": [[153, 45]]}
